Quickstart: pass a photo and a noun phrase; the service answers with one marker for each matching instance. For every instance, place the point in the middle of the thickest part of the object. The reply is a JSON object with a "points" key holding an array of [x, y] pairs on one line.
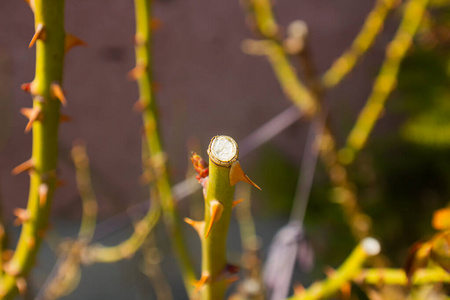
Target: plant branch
{"points": [[50, 48], [386, 79], [372, 26], [347, 271]]}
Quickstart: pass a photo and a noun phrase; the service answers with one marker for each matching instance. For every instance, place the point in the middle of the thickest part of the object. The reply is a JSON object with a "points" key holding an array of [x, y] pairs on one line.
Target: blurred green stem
{"points": [[346, 272], [386, 79], [157, 161]]}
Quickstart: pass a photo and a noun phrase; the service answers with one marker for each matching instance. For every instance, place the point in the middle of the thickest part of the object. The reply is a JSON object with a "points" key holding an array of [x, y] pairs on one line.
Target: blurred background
{"points": [[207, 86]]}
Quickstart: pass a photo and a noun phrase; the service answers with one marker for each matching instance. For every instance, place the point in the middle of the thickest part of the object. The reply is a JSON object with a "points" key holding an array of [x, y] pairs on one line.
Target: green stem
{"points": [[398, 277], [365, 38], [386, 80], [49, 68], [157, 156], [346, 272], [214, 259]]}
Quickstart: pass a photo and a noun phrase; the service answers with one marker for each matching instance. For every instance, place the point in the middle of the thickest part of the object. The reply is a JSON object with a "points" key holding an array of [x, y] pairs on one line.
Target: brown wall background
{"points": [[207, 87]]}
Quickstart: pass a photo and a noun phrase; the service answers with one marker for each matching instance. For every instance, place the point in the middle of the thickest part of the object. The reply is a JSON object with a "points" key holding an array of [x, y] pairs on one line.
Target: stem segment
{"points": [[223, 153], [49, 15]]}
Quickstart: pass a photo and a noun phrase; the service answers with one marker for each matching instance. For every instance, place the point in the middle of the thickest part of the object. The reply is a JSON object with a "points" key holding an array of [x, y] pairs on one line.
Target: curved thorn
{"points": [[39, 34], [25, 166], [236, 202], [32, 114], [237, 174], [43, 192], [199, 226], [58, 93], [216, 209], [199, 284], [71, 41], [22, 216]]}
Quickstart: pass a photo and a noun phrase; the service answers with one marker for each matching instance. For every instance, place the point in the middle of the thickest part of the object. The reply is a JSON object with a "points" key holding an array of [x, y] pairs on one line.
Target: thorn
{"points": [[329, 271], [137, 72], [39, 34], [199, 284], [299, 290], [22, 215], [139, 106], [31, 242], [155, 24], [346, 290], [12, 269], [30, 4], [26, 87], [199, 226], [25, 166], [64, 118], [21, 284], [236, 202], [7, 254], [236, 175], [43, 193], [232, 279], [32, 114], [58, 93], [216, 210], [71, 41]]}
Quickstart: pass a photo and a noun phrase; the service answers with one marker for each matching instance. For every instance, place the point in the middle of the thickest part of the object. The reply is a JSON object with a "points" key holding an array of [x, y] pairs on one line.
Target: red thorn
{"points": [[71, 41], [199, 284], [58, 93], [199, 226], [236, 202], [31, 242], [26, 87], [65, 118], [139, 106], [329, 271], [216, 209], [155, 24], [299, 290], [7, 254], [137, 72], [236, 175], [39, 34], [232, 279], [25, 166], [30, 4], [32, 114], [43, 193], [21, 284], [22, 216]]}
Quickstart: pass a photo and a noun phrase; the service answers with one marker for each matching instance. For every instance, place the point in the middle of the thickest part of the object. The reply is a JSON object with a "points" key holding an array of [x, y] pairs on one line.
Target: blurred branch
{"points": [[67, 272], [88, 199], [309, 101], [398, 277], [386, 80], [347, 271], [152, 269], [156, 162], [372, 26], [251, 286]]}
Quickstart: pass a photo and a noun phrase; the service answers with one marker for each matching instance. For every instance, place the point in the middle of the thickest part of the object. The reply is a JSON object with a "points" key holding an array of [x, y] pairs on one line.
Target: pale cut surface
{"points": [[223, 148]]}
